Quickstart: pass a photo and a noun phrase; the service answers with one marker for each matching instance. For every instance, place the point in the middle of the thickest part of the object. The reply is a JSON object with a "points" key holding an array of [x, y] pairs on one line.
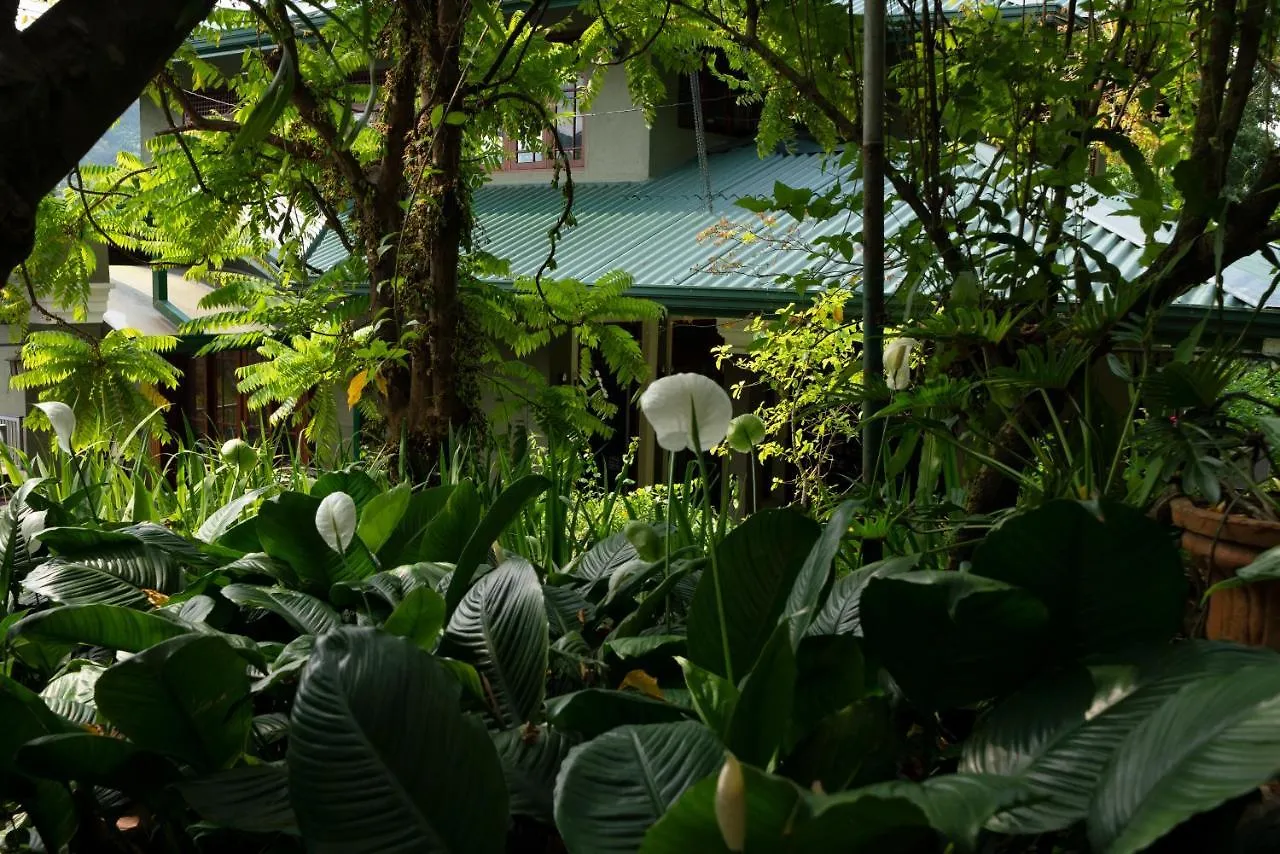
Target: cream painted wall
{"points": [[615, 139]]}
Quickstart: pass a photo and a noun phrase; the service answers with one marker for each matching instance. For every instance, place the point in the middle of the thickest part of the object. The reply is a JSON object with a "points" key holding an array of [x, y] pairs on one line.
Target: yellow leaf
{"points": [[356, 388], [155, 597], [642, 682], [381, 382]]}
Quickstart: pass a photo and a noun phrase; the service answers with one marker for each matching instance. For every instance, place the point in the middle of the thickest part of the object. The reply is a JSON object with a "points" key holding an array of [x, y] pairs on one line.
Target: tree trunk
{"points": [[432, 394], [63, 82]]}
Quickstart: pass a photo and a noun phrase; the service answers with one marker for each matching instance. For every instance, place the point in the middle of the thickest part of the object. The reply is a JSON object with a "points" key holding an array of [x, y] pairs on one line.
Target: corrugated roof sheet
{"points": [[661, 233]]}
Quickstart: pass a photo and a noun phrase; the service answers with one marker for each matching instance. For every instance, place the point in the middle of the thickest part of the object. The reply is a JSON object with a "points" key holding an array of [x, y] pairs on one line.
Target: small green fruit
{"points": [[745, 432], [239, 453], [647, 541]]}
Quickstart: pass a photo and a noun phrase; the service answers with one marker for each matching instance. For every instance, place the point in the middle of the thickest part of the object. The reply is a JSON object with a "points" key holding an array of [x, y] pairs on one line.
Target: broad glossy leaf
{"points": [[97, 760], [758, 563], [221, 520], [420, 618], [566, 609], [443, 537], [261, 563], [305, 613], [771, 805], [500, 628], [802, 603], [504, 510], [287, 530], [531, 758], [662, 646], [381, 759], [950, 639], [1110, 576], [70, 693], [758, 727], [352, 481], [379, 518], [840, 613], [111, 626], [405, 542], [604, 558], [713, 697], [595, 711], [187, 697], [80, 584], [254, 798], [612, 789], [1214, 740], [1059, 733], [26, 717], [390, 587]]}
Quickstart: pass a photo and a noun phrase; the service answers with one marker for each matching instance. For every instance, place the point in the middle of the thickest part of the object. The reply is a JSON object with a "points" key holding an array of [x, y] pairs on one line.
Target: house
{"points": [[644, 204]]}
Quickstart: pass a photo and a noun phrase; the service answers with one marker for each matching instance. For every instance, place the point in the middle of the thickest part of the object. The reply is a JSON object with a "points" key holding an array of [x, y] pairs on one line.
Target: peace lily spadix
{"points": [[62, 419], [897, 362], [673, 404]]}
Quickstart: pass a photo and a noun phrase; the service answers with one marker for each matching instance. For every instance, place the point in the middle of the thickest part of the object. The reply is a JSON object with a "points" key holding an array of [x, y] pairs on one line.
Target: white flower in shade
{"points": [[62, 419], [897, 362], [336, 521], [239, 453], [672, 403], [731, 804], [33, 522]]}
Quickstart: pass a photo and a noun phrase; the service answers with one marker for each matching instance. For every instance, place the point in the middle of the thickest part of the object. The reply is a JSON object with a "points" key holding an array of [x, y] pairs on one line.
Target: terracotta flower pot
{"points": [[1220, 544]]}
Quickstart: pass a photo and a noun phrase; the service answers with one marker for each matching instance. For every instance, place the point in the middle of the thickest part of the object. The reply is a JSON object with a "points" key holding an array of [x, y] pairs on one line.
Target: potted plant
{"points": [[1208, 434]]}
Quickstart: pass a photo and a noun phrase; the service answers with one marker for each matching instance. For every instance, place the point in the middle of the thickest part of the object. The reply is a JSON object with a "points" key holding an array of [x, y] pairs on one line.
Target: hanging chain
{"points": [[700, 134]]}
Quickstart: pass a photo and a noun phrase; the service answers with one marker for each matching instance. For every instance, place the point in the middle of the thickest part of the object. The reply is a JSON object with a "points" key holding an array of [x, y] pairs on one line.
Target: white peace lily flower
{"points": [[33, 522], [672, 403], [897, 362], [336, 521], [62, 419]]}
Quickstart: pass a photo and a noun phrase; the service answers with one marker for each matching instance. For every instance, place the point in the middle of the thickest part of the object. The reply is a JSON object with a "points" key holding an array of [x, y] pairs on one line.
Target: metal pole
{"points": [[872, 229]]}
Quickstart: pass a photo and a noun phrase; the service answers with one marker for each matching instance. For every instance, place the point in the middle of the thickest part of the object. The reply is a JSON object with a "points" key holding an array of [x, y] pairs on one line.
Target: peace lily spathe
{"points": [[897, 362], [62, 419], [672, 403], [336, 521], [33, 522]]}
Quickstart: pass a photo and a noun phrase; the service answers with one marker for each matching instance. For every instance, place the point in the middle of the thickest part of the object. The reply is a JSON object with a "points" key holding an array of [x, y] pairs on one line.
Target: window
{"points": [[721, 112], [568, 132]]}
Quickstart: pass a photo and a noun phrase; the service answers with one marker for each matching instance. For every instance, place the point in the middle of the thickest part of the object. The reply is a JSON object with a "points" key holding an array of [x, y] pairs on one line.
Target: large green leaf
{"points": [[830, 675], [595, 711], [15, 552], [111, 626], [951, 639], [420, 618], [79, 584], [305, 613], [405, 543], [287, 530], [504, 510], [382, 759], [855, 746], [70, 693], [187, 697], [1059, 733], [221, 520], [531, 758], [758, 726], [1110, 576], [885, 818], [352, 481], [604, 558], [802, 604], [379, 518], [500, 627], [1214, 740], [96, 760], [611, 790], [840, 613], [25, 717], [390, 586], [254, 798], [757, 566], [444, 536]]}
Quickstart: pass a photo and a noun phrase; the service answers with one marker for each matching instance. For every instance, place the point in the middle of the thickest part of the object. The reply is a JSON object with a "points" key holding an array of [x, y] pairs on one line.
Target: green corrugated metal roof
{"points": [[661, 233]]}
